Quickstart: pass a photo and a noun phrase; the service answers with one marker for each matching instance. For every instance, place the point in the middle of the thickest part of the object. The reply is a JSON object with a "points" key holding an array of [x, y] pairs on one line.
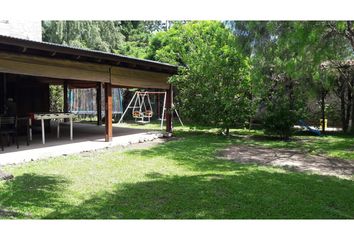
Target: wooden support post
{"points": [[158, 110], [3, 94], [108, 111], [99, 103], [66, 106], [65, 96], [169, 110]]}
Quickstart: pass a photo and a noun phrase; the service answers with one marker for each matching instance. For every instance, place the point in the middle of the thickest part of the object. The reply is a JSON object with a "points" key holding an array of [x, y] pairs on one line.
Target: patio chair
{"points": [[8, 128]]}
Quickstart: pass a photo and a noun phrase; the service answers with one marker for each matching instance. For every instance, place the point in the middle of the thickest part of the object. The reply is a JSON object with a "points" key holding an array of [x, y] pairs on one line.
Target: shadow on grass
{"points": [[250, 194], [194, 150], [217, 189], [342, 147], [29, 191]]}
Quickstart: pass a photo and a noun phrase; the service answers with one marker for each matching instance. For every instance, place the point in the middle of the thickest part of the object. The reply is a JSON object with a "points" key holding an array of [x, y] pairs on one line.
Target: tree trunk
{"points": [[352, 123], [342, 107], [323, 96], [227, 131], [349, 33], [349, 105]]}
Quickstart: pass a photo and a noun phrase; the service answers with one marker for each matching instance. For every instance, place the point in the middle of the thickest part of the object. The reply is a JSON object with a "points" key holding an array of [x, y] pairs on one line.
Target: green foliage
{"points": [[287, 54], [56, 101], [214, 81], [137, 36], [282, 113], [124, 37], [98, 35]]}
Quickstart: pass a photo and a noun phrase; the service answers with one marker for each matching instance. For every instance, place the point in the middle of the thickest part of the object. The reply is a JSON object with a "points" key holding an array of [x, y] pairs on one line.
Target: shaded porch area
{"points": [[29, 68], [87, 137]]}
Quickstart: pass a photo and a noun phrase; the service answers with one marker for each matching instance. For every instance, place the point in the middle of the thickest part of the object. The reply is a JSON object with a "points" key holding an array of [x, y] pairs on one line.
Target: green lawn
{"points": [[180, 179]]}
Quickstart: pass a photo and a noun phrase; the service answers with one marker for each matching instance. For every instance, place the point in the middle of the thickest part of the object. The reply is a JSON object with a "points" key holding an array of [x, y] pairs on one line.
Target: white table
{"points": [[51, 116]]}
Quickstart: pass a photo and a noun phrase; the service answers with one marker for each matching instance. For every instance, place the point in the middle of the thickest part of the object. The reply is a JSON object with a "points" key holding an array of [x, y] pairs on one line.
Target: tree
{"points": [[288, 53], [98, 35], [342, 73], [137, 36], [214, 80], [275, 51], [345, 30], [123, 37]]}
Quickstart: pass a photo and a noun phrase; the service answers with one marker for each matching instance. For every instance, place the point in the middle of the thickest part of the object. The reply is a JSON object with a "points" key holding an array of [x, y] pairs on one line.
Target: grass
{"points": [[179, 179], [337, 145]]}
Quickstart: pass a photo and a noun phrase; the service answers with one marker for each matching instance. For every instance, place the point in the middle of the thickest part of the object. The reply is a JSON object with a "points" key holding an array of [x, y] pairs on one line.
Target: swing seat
{"points": [[137, 114], [148, 113]]}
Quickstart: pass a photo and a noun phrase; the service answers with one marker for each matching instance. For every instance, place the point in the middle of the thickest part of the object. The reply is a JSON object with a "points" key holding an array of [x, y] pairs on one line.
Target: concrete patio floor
{"points": [[87, 137]]}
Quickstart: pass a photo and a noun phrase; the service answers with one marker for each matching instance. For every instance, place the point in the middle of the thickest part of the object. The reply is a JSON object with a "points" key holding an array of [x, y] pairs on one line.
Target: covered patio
{"points": [[28, 68], [88, 137]]}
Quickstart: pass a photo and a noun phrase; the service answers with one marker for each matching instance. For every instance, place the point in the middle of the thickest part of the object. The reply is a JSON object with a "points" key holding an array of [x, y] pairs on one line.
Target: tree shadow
{"points": [[246, 195], [30, 191], [197, 151], [342, 147]]}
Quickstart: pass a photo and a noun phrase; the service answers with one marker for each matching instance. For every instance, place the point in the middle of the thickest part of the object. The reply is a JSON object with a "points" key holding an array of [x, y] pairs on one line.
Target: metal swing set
{"points": [[142, 111]]}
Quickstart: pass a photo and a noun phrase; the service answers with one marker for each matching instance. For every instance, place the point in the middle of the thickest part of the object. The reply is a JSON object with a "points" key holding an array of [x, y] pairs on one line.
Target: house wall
{"points": [[26, 29]]}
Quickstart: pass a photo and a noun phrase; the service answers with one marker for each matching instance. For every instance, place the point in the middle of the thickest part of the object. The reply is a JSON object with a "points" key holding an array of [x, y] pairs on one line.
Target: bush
{"points": [[279, 119], [56, 96], [283, 110], [214, 82]]}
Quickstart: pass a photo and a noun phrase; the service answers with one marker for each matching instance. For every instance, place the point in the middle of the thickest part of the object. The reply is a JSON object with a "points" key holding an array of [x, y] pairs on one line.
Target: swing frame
{"points": [[141, 102]]}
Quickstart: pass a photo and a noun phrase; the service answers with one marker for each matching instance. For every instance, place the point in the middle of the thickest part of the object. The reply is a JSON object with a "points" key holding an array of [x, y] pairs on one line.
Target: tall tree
{"points": [[98, 35], [137, 36], [214, 80], [290, 52], [345, 30]]}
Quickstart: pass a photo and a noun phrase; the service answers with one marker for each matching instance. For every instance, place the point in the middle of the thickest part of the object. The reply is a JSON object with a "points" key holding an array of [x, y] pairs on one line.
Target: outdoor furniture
{"points": [[51, 116], [8, 127], [24, 119]]}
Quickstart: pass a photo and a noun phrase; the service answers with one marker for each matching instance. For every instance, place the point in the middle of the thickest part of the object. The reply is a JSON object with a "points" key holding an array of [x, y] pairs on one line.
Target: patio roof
{"points": [[57, 51], [54, 61]]}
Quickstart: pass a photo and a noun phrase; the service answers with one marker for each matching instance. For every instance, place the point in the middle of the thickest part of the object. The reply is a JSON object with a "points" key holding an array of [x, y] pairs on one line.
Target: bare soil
{"points": [[290, 159], [5, 176]]}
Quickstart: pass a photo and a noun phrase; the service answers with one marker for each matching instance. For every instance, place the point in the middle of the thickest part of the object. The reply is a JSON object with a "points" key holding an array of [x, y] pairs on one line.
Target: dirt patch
{"points": [[289, 159], [11, 214], [149, 144], [8, 213], [5, 176]]}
